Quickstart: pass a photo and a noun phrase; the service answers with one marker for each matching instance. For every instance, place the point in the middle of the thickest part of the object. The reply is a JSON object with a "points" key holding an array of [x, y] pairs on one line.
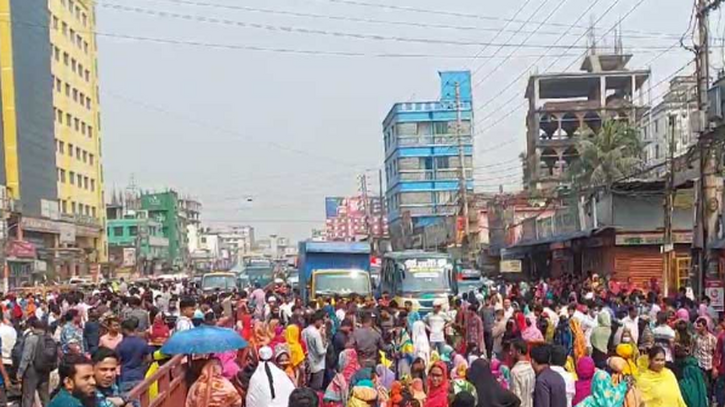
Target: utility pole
{"points": [[668, 246], [462, 173], [381, 215], [366, 202], [708, 203]]}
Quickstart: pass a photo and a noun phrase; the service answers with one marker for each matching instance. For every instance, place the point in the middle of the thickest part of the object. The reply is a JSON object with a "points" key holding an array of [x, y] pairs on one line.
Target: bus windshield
{"points": [[343, 283], [425, 275], [222, 282]]}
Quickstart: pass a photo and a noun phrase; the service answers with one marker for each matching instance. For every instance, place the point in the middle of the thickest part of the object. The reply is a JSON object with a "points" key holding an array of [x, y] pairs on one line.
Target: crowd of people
{"points": [[566, 342]]}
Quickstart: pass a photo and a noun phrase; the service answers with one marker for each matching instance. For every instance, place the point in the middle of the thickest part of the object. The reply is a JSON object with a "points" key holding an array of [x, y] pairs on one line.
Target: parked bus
{"points": [[419, 277]]}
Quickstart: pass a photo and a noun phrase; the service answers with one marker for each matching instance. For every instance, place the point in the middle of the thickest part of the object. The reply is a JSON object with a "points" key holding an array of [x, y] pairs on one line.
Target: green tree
{"points": [[606, 157]]}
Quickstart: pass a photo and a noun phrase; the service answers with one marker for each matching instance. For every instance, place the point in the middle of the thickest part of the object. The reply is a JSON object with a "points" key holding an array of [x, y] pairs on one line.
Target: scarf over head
{"points": [[660, 389], [600, 334], [585, 371], [438, 395], [339, 389], [292, 337], [489, 391], [269, 385], [212, 389], [604, 393]]}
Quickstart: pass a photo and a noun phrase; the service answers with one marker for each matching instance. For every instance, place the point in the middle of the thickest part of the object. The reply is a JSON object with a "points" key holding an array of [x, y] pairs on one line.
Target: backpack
{"points": [[46, 354], [16, 355]]}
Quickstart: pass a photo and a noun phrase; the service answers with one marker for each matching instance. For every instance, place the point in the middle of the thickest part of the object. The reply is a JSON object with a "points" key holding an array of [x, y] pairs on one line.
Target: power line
{"points": [[516, 14], [528, 37], [563, 34], [477, 16], [311, 31], [426, 25], [527, 70]]}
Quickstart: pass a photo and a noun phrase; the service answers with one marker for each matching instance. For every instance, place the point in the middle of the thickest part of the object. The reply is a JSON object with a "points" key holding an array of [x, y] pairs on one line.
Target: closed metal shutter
{"points": [[641, 263]]}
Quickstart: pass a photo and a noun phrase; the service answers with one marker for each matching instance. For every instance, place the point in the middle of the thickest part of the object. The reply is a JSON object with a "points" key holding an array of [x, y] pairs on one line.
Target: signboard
{"points": [[715, 289], [67, 233], [643, 239], [511, 266], [129, 257]]}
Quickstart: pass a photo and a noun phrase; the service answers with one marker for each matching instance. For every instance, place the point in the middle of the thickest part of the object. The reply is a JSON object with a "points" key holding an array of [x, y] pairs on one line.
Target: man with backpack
{"points": [[39, 358]]}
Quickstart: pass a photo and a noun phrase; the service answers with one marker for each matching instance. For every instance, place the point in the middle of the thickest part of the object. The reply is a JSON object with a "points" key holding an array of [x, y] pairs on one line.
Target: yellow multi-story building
{"points": [[50, 129]]}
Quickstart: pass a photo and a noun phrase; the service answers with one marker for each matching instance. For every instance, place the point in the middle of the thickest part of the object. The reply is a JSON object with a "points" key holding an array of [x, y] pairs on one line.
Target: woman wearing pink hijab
{"points": [[585, 369], [531, 333]]}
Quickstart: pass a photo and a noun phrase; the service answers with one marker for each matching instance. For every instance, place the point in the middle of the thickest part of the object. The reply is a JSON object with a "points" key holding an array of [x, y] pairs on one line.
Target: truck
{"points": [[423, 278], [333, 268], [259, 271]]}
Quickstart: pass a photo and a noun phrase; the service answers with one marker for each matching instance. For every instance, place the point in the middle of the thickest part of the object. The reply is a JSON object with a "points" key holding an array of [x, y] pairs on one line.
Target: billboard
{"points": [[332, 204]]}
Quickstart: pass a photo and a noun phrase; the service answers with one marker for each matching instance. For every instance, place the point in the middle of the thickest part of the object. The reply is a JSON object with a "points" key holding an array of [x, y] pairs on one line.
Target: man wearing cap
{"points": [[437, 321]]}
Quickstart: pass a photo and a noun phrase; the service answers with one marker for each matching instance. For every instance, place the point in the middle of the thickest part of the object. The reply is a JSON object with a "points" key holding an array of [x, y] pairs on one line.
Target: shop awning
{"points": [[560, 238]]}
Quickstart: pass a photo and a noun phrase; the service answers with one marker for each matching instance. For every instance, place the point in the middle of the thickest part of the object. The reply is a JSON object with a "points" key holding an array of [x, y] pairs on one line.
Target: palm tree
{"points": [[607, 157]]}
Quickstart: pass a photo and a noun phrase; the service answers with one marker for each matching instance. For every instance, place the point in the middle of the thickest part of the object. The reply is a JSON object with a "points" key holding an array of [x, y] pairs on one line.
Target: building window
{"points": [[90, 131], [58, 85], [93, 185], [60, 116], [70, 150], [93, 211], [75, 95], [88, 102], [442, 162], [73, 64], [85, 156], [85, 183], [68, 120], [133, 230], [72, 179], [118, 231], [61, 147], [88, 75], [90, 158], [72, 35], [80, 70], [84, 18], [65, 29], [78, 153], [64, 206], [67, 89], [80, 181], [77, 124], [73, 207], [83, 128], [65, 58], [85, 47]]}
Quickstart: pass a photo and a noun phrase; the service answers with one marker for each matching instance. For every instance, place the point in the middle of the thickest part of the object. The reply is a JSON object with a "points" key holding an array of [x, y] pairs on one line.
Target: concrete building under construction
{"points": [[566, 106]]}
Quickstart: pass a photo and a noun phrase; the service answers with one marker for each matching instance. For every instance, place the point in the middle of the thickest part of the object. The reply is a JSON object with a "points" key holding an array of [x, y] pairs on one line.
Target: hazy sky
{"points": [[228, 124]]}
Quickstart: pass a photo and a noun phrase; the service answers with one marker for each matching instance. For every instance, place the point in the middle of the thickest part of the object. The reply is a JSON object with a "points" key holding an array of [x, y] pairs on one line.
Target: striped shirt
{"points": [[523, 383]]}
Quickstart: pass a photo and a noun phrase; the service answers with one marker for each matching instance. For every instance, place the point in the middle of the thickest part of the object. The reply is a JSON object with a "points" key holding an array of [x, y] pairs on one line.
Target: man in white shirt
{"points": [[436, 322], [558, 360], [664, 336], [9, 336], [508, 310]]}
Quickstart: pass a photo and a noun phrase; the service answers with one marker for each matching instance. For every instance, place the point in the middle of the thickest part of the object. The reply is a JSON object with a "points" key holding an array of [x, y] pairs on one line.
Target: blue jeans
{"points": [[438, 346]]}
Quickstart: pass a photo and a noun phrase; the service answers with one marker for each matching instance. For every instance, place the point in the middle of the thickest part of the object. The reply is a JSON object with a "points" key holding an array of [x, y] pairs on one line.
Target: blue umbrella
{"points": [[203, 339]]}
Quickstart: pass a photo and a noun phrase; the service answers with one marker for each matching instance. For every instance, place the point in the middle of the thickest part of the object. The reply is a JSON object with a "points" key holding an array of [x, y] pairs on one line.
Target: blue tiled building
{"points": [[422, 163]]}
